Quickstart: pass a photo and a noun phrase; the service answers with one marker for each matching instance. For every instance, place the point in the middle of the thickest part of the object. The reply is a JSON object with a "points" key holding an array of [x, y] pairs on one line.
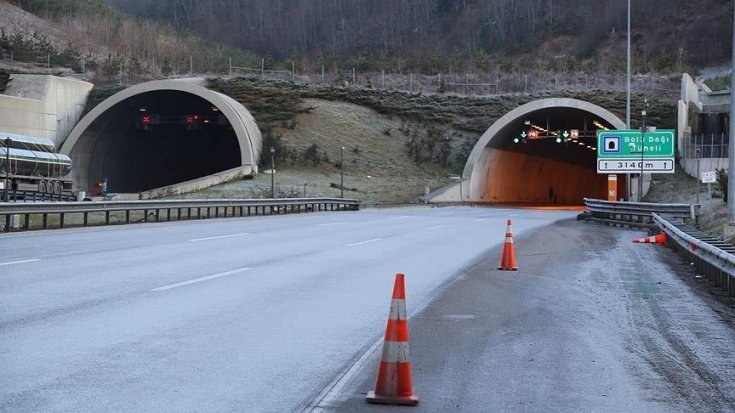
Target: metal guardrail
{"points": [[637, 214], [713, 257], [18, 216]]}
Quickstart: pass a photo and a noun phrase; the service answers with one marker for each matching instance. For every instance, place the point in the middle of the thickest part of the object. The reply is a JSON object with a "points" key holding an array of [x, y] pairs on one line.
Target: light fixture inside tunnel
{"points": [[599, 125]]}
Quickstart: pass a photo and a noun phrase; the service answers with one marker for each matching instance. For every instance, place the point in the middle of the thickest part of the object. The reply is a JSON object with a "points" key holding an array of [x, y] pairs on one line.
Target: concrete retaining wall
{"points": [[199, 183], [43, 106]]}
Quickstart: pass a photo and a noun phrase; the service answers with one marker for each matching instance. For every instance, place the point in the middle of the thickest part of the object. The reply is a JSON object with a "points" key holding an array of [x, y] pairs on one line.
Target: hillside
{"points": [[137, 40], [433, 36], [415, 139]]}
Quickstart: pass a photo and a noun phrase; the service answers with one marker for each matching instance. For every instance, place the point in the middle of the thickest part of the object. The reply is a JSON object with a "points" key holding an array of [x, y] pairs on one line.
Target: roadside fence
{"points": [[45, 215]]}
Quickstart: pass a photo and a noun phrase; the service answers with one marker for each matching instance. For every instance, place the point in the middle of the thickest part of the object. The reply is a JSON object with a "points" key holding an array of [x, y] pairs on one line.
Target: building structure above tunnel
{"points": [[81, 147]]}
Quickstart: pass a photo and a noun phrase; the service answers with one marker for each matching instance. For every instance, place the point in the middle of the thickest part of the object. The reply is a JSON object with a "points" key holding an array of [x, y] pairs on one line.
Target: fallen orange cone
{"points": [[394, 374], [659, 239], [508, 260]]}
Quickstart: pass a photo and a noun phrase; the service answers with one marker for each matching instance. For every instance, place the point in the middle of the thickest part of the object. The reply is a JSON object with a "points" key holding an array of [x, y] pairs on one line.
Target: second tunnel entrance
{"points": [[541, 152]]}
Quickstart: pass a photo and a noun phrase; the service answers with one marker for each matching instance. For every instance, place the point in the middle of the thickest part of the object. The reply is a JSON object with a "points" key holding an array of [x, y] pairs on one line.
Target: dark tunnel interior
{"points": [[157, 139], [547, 156]]}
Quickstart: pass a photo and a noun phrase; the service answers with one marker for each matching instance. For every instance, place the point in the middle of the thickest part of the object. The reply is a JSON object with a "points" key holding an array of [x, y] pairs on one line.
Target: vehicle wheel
{"points": [[57, 188], [42, 187]]}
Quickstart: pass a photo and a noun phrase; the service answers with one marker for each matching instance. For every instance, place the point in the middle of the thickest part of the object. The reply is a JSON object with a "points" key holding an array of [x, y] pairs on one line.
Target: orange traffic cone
{"points": [[659, 239], [394, 374], [508, 260]]}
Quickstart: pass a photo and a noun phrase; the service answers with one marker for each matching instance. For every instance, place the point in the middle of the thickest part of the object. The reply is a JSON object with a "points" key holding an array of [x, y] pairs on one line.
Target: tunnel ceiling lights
{"points": [[535, 132], [600, 125]]}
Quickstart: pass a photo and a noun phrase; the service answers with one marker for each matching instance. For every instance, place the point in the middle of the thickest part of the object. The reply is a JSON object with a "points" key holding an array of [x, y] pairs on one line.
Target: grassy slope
{"points": [[376, 165], [374, 127]]}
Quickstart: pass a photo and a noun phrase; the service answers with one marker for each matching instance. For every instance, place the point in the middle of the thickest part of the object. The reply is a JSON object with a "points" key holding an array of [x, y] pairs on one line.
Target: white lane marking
{"points": [[481, 219], [331, 223], [219, 237], [436, 226], [200, 279], [400, 217], [19, 262], [363, 242]]}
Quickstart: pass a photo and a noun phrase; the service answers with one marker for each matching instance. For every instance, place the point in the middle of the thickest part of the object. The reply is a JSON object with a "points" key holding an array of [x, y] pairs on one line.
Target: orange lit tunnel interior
{"points": [[537, 160]]}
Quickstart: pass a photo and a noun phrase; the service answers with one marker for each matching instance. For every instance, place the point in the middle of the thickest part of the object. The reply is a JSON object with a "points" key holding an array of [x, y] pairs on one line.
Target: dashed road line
{"points": [[200, 279], [19, 262], [330, 223], [354, 244], [436, 226], [219, 237]]}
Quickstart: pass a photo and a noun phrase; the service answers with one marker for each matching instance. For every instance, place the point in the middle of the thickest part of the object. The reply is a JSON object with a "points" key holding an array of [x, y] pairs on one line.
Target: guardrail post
{"points": [[107, 217], [158, 214], [127, 216], [27, 221], [45, 220], [61, 220], [86, 215]]}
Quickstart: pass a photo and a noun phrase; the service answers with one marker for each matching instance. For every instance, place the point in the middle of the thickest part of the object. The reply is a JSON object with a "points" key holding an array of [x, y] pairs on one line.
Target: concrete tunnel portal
{"points": [[525, 157], [161, 133], [165, 132]]}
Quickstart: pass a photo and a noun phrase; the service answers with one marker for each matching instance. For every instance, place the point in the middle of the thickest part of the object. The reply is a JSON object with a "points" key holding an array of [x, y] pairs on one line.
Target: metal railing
{"points": [[28, 216], [713, 257], [636, 214]]}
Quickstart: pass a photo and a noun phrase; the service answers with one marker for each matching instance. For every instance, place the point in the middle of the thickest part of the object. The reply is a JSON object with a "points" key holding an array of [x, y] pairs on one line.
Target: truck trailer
{"points": [[32, 164]]}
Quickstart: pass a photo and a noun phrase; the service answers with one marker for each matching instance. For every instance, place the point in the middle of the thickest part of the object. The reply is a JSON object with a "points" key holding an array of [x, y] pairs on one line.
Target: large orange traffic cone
{"points": [[659, 239], [394, 374], [508, 260]]}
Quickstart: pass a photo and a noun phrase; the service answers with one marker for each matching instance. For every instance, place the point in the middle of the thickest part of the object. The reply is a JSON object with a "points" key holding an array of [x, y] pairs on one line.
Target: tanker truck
{"points": [[32, 164]]}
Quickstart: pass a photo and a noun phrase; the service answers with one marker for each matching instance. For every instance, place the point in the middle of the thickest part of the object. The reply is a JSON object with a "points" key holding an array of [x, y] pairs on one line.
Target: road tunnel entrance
{"points": [[542, 152], [161, 133]]}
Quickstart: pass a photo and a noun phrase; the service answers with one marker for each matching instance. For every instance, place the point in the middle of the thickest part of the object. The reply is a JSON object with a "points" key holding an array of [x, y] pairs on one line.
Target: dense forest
{"points": [[418, 36], [434, 35]]}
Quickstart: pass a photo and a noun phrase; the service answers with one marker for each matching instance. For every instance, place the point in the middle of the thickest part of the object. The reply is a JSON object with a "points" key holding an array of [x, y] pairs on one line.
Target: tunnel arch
{"points": [[233, 122], [480, 163]]}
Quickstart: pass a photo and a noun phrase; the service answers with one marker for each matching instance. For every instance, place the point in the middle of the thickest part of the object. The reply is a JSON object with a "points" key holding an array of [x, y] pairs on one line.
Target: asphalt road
{"points": [[590, 323], [238, 314]]}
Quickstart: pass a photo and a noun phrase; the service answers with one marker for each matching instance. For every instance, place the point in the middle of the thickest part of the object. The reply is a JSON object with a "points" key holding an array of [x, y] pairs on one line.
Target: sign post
{"points": [[612, 187], [634, 151], [709, 178]]}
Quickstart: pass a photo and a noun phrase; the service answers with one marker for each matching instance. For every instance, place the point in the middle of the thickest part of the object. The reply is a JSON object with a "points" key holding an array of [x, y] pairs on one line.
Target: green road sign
{"points": [[618, 151], [630, 144]]}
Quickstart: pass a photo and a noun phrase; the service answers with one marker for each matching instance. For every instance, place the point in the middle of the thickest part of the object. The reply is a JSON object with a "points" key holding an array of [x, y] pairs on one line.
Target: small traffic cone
{"points": [[508, 260], [394, 374], [659, 239]]}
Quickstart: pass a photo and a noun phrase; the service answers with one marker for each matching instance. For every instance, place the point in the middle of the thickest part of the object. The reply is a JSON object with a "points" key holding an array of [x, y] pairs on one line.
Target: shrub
{"points": [[722, 183]]}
